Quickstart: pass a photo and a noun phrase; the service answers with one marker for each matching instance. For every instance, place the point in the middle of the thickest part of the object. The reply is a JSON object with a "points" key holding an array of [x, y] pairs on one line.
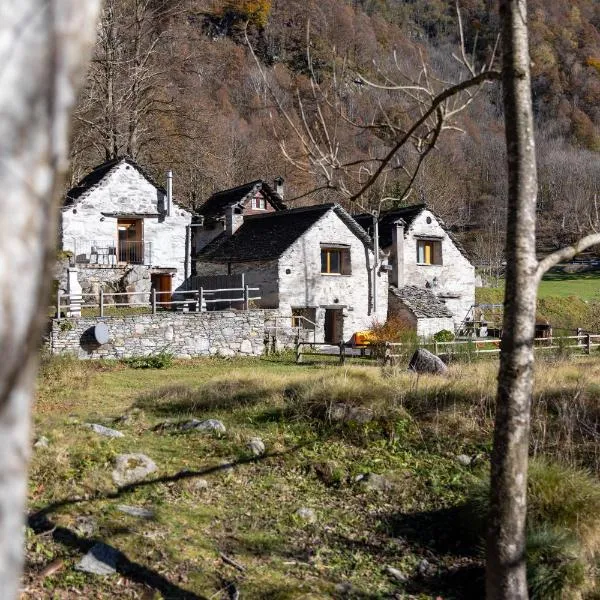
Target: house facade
{"points": [[313, 264], [424, 254], [121, 227]]}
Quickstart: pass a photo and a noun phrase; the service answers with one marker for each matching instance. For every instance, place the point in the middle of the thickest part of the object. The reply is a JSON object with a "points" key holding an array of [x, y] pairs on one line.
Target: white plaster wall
{"points": [[455, 277], [426, 328], [305, 286], [125, 190]]}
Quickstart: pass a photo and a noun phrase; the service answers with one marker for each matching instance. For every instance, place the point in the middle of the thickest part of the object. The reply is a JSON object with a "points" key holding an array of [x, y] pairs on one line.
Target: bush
{"points": [[444, 335], [563, 528], [162, 360]]}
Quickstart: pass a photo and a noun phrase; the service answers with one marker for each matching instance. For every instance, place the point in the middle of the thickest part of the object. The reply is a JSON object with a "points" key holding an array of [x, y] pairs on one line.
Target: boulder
{"points": [[105, 431], [131, 468], [100, 560], [136, 511], [207, 425], [346, 413], [256, 446], [136, 282], [423, 361]]}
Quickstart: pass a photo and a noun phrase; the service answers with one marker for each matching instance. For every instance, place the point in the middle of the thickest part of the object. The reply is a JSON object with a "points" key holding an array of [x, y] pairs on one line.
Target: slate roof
{"points": [[98, 173], [267, 236], [408, 215], [423, 303], [215, 206], [387, 219]]}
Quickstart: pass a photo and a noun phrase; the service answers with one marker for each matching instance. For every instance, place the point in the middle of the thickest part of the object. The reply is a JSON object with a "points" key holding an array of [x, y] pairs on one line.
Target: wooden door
{"points": [[333, 325], [162, 283]]}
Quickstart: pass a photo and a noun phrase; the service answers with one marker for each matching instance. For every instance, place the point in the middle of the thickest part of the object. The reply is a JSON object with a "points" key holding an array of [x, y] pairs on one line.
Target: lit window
{"points": [[335, 261], [429, 252]]}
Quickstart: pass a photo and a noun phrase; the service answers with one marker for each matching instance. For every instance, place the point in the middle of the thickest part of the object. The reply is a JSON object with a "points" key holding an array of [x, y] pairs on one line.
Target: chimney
{"points": [[233, 219], [397, 255], [278, 186], [169, 193]]}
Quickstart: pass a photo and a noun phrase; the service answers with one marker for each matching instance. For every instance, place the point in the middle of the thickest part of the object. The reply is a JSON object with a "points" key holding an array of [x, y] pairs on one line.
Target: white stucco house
{"points": [[314, 262], [432, 281], [125, 230]]}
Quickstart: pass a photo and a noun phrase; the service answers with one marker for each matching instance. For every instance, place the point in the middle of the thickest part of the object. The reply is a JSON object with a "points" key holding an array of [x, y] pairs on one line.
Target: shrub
{"points": [[162, 360], [444, 335]]}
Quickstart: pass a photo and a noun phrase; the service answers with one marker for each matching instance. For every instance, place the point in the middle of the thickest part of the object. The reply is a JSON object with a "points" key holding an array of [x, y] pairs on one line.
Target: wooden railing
{"points": [[151, 302]]}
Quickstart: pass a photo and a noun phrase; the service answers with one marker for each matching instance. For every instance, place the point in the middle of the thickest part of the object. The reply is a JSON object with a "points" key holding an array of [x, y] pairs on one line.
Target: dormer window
{"points": [[259, 203], [429, 252]]}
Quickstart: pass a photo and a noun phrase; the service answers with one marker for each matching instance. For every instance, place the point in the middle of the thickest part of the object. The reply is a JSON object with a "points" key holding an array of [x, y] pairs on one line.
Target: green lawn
{"points": [[213, 499], [583, 285]]}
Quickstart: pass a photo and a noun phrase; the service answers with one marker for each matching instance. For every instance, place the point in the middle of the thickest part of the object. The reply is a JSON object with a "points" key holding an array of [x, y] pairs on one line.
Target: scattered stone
{"points": [[307, 514], [345, 413], [131, 468], [208, 425], [136, 511], [100, 560], [464, 460], [42, 442], [198, 485], [105, 431], [86, 526], [256, 446], [373, 481], [396, 574], [425, 568], [343, 588], [423, 361]]}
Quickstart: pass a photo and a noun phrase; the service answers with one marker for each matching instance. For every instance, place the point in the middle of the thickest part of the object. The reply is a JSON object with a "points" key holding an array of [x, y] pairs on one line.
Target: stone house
{"points": [[225, 209], [423, 254], [125, 232], [313, 262]]}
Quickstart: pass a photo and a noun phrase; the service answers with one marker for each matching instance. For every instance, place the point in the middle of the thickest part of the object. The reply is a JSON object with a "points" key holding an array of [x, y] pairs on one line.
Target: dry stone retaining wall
{"points": [[223, 333]]}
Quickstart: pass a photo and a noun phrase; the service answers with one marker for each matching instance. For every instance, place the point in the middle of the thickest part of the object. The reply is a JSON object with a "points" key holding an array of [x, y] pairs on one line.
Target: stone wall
{"points": [[225, 333]]}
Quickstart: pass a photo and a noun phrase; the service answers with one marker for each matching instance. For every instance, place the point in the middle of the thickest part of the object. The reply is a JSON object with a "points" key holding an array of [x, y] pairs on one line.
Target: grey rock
{"points": [[85, 525], [42, 442], [345, 413], [207, 425], [307, 514], [136, 282], [105, 431], [425, 568], [256, 446], [373, 481], [423, 361], [199, 485], [464, 460], [130, 468], [100, 560], [136, 511], [396, 574]]}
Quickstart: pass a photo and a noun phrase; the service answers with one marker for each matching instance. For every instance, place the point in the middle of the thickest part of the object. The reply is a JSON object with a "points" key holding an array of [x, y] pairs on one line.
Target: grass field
{"points": [[385, 484], [584, 285]]}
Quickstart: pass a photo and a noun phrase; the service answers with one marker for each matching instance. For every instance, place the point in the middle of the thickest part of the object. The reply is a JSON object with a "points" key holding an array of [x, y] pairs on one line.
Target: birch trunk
{"points": [[506, 567], [44, 45]]}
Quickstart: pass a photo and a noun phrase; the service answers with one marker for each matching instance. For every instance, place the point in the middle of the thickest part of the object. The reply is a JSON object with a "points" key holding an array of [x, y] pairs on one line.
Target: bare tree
{"points": [[44, 45], [506, 561]]}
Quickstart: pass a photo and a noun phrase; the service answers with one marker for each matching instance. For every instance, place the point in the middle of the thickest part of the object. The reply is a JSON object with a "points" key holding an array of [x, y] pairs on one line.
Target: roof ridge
{"points": [[288, 211]]}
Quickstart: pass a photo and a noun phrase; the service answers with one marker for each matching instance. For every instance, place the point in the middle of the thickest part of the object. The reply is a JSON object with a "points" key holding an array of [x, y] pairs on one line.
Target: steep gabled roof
{"points": [[98, 173], [215, 206], [387, 219], [423, 303], [268, 236]]}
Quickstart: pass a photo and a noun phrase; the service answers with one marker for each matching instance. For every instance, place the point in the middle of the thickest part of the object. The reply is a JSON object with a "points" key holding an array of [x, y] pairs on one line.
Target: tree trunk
{"points": [[43, 47], [506, 567]]}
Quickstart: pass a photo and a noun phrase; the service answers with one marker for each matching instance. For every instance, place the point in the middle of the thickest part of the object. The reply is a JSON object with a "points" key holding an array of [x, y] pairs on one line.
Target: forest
{"points": [[318, 91]]}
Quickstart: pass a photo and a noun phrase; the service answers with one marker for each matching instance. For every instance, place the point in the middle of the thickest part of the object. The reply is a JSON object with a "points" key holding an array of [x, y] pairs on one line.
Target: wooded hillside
{"points": [[173, 84]]}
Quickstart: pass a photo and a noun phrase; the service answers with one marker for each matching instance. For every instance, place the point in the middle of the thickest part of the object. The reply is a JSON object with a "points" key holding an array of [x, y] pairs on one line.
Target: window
{"points": [[259, 203], [335, 260], [429, 252]]}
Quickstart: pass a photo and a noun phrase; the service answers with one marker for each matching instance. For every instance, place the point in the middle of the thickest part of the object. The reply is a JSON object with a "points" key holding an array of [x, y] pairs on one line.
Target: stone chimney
{"points": [[233, 219], [278, 186], [397, 254]]}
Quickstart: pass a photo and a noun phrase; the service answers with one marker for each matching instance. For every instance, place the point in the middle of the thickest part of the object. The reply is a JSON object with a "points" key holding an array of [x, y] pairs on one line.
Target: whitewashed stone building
{"points": [[125, 232], [313, 262], [423, 254]]}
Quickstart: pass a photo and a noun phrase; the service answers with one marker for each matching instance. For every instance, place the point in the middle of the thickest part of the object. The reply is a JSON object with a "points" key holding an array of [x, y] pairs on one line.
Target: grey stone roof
{"points": [[267, 236], [95, 177], [423, 303], [215, 206]]}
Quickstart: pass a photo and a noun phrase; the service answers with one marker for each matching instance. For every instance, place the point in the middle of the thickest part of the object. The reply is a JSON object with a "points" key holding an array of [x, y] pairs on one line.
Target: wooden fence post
{"points": [[342, 353], [588, 343], [101, 302], [298, 353], [246, 297], [153, 301]]}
